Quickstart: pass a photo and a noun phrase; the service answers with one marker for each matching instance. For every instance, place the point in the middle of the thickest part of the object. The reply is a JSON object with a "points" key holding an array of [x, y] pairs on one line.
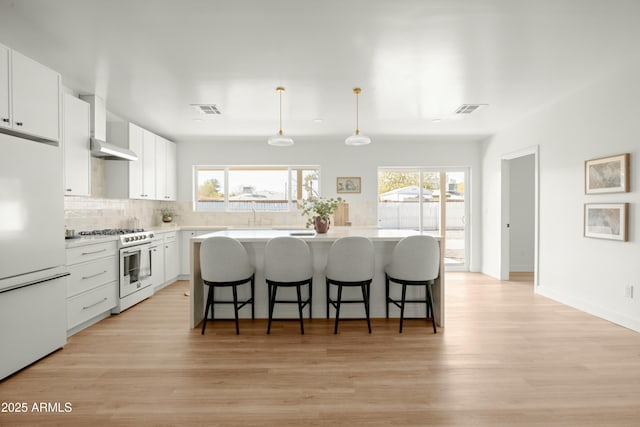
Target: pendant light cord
{"points": [[280, 132], [357, 126]]}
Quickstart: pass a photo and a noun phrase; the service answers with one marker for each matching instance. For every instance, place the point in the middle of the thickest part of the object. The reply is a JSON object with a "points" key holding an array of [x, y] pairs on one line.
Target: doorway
{"points": [[519, 213]]}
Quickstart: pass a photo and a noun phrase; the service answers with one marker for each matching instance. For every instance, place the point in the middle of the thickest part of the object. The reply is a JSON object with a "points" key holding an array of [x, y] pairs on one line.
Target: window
{"points": [[253, 188], [411, 198]]}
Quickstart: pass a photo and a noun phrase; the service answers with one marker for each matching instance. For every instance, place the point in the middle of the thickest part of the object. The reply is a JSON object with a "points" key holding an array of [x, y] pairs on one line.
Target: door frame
{"points": [[504, 209]]}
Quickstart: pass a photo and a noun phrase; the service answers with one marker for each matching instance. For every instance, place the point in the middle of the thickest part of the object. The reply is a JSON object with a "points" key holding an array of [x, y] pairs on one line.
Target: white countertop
{"points": [[261, 235]]}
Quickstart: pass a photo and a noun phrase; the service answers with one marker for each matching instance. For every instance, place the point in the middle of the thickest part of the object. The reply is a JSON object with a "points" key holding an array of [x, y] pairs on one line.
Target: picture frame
{"points": [[607, 174], [606, 221], [348, 184]]}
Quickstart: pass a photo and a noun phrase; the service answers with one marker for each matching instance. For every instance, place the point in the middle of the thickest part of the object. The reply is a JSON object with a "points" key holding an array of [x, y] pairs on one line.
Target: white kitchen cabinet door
{"points": [[185, 250], [76, 140], [165, 169], [136, 168], [5, 118], [149, 164], [171, 168], [171, 258], [35, 98], [161, 168], [157, 264]]}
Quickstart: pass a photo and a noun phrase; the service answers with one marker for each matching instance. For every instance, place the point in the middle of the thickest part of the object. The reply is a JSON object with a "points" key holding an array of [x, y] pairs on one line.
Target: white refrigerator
{"points": [[32, 254]]}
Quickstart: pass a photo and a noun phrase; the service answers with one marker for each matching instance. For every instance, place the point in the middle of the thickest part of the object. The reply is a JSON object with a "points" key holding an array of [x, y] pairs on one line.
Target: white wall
{"points": [[335, 159], [597, 121], [521, 213]]}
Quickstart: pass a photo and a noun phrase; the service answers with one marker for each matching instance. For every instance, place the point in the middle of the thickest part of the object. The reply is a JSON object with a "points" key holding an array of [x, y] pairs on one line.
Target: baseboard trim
{"points": [[587, 307]]}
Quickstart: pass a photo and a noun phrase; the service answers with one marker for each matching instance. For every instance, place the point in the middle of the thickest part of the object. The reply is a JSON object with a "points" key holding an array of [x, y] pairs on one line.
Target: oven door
{"points": [[135, 268]]}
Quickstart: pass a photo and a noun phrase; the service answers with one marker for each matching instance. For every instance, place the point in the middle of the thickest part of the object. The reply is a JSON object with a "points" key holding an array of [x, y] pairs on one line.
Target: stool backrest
{"points": [[351, 259], [415, 258], [223, 259], [287, 259]]}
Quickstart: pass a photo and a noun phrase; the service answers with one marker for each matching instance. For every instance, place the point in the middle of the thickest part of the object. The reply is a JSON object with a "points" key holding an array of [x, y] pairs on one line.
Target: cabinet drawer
{"points": [[89, 275], [90, 304], [170, 237], [90, 252]]}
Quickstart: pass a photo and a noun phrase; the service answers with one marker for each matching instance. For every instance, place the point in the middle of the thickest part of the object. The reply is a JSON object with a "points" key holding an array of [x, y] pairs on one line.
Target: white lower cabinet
{"points": [[171, 257], [185, 250], [90, 304], [92, 286], [157, 263]]}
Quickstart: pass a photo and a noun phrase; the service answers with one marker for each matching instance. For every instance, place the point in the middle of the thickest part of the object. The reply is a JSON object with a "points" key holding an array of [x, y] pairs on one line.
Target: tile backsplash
{"points": [[98, 212]]}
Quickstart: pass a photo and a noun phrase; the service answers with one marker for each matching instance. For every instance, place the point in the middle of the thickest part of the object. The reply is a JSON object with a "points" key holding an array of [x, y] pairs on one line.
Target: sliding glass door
{"points": [[413, 198]]}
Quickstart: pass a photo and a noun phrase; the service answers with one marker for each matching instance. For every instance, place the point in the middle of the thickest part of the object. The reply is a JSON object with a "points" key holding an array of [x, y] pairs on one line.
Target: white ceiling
{"points": [[416, 60]]}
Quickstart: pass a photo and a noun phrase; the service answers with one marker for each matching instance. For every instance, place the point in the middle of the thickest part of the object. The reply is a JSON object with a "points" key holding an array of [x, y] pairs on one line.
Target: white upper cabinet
{"points": [[35, 98], [165, 169], [29, 97], [136, 168], [172, 174], [5, 120], [144, 178], [76, 139], [149, 165]]}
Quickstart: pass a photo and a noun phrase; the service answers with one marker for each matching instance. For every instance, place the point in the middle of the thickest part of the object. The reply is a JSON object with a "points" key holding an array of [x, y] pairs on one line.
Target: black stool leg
{"points": [[235, 308], [404, 294], [273, 290], [206, 310], [386, 300], [253, 292], [365, 297], [300, 309], [328, 297], [310, 298], [433, 313], [335, 328]]}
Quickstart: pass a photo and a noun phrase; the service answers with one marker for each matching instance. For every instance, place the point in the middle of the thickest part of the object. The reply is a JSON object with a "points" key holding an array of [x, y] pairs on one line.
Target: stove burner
{"points": [[111, 232]]}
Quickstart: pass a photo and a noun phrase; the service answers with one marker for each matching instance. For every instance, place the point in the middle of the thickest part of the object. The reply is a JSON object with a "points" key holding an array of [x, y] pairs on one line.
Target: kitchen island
{"points": [[254, 240]]}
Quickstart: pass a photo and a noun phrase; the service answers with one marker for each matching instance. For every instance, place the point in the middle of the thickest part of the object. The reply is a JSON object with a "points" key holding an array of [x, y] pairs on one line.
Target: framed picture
{"points": [[606, 221], [607, 174], [348, 184]]}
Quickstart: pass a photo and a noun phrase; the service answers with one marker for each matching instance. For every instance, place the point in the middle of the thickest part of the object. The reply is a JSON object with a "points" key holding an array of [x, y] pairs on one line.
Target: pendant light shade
{"points": [[356, 138], [279, 140]]}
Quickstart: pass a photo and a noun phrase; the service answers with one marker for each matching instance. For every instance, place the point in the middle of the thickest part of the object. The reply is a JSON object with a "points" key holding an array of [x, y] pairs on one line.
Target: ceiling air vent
{"points": [[468, 108], [208, 109]]}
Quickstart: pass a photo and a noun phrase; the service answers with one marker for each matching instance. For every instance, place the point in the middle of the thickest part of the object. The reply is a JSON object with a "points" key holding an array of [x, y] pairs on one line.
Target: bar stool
{"points": [[288, 263], [415, 261], [351, 264], [224, 263]]}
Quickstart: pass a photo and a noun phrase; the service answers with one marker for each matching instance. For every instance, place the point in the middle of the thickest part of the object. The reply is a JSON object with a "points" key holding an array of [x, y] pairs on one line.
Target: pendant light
{"points": [[356, 138], [279, 140]]}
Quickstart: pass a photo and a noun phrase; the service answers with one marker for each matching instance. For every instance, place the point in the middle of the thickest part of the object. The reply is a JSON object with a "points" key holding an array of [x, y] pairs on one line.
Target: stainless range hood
{"points": [[99, 146]]}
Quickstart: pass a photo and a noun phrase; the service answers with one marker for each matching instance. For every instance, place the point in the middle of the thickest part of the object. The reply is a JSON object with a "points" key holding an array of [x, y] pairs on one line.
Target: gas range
{"points": [[126, 236]]}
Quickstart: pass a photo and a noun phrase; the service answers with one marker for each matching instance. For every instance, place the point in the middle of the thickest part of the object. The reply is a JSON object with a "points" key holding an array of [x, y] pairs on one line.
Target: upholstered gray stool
{"points": [[288, 263], [224, 263], [350, 263], [415, 262]]}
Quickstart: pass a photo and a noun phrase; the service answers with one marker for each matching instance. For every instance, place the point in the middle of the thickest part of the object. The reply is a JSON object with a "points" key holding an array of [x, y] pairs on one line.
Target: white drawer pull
{"points": [[94, 252], [94, 304], [94, 275]]}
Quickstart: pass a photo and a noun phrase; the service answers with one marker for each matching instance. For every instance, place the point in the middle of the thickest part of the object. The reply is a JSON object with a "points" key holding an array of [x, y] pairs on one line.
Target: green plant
{"points": [[166, 212], [319, 208]]}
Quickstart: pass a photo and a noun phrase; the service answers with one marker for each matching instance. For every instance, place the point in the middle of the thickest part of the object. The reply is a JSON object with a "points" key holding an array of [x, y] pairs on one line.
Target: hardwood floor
{"points": [[507, 357]]}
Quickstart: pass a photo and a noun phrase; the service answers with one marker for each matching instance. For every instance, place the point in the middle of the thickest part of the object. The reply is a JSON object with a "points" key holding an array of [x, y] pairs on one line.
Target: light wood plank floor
{"points": [[507, 357]]}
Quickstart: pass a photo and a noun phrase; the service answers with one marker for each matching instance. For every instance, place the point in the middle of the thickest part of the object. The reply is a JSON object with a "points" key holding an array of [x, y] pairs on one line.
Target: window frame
{"points": [[225, 169]]}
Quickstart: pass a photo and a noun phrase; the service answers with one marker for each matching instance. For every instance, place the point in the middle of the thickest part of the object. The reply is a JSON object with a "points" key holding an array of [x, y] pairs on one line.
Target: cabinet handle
{"points": [[6, 120], [96, 303], [68, 189], [94, 275], [94, 252], [19, 123]]}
